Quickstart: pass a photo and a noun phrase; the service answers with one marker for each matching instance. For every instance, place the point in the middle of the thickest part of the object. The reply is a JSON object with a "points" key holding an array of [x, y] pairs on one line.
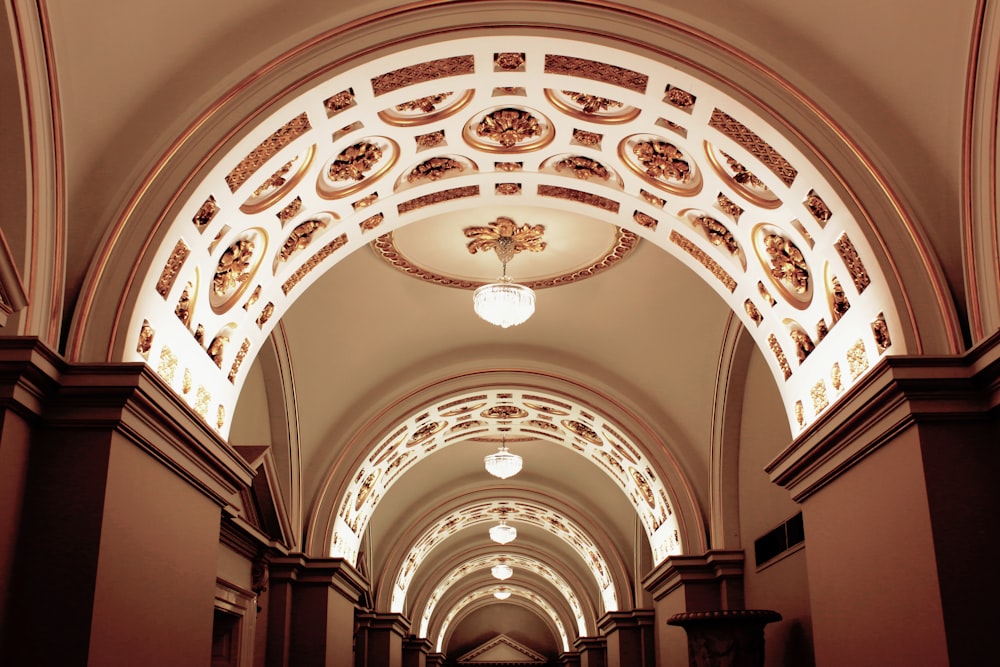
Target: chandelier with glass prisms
{"points": [[503, 464], [502, 533], [505, 303], [502, 571], [501, 593]]}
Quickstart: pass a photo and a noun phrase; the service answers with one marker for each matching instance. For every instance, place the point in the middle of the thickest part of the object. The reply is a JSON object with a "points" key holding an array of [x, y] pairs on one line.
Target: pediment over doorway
{"points": [[501, 650]]}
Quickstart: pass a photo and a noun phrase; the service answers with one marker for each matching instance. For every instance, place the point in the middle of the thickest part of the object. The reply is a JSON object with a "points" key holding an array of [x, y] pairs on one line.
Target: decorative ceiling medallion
{"points": [[591, 107], [716, 233], [583, 168], [504, 412], [428, 109], [236, 268], [583, 430], [356, 167], [521, 237], [661, 163], [509, 129], [301, 237], [745, 182], [437, 168], [784, 263]]}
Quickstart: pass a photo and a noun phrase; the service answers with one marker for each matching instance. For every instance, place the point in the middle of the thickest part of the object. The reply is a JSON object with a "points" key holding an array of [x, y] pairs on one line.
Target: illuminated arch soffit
{"points": [[521, 563], [517, 592], [582, 127], [515, 511], [525, 413]]}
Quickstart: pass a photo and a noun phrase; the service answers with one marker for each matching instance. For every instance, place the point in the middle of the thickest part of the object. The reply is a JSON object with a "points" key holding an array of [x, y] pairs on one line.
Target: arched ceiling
{"points": [[646, 273]]}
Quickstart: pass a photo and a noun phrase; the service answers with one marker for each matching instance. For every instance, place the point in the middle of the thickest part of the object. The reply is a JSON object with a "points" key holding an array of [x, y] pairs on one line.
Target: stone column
{"points": [[709, 582], [415, 651], [898, 485], [384, 634], [311, 612], [630, 638], [731, 638], [569, 659], [120, 510], [592, 651], [435, 660]]}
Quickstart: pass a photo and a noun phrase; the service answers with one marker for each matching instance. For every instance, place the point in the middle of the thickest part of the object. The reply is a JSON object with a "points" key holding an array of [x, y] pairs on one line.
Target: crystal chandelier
{"points": [[503, 464], [502, 533], [501, 593], [502, 571], [504, 303]]}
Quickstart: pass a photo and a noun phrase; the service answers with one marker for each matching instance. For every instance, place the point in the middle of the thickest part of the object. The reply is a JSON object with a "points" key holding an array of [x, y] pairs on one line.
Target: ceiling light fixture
{"points": [[501, 593], [502, 533], [502, 571], [504, 303], [503, 464]]}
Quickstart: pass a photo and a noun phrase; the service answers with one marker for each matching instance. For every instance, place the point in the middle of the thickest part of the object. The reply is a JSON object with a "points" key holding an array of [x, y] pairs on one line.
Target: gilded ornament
{"points": [[800, 417], [852, 259], [821, 330], [647, 221], [857, 359], [238, 361], [718, 234], [766, 294], [508, 62], [337, 103], [300, 238], [266, 150], [253, 298], [354, 161], [265, 315], [202, 401], [591, 104], [293, 209], [426, 71], [313, 262], [173, 267], [199, 334], [716, 270], [275, 181], [835, 378], [183, 308], [583, 168], [596, 71], [583, 430], [585, 138], [217, 349], [653, 199], [167, 366], [218, 237], [186, 381], [729, 207], [145, 339], [752, 312], [365, 201], [490, 237], [754, 145], [424, 432], [818, 208], [578, 196], [662, 160], [509, 127], [423, 104], [205, 213], [233, 269], [679, 98], [643, 485], [779, 354], [742, 175], [788, 265], [504, 412], [508, 188], [438, 197], [371, 223], [508, 166], [430, 140], [434, 169], [220, 421], [803, 343], [880, 329], [366, 488], [819, 397]]}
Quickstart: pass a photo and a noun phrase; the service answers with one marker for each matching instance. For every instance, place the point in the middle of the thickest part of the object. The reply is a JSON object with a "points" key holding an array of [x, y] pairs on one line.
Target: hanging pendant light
{"points": [[502, 571], [504, 303], [502, 533], [503, 464], [501, 593]]}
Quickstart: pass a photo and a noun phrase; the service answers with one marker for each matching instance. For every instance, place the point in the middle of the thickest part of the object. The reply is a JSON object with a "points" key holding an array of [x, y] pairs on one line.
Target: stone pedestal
{"points": [[725, 638]]}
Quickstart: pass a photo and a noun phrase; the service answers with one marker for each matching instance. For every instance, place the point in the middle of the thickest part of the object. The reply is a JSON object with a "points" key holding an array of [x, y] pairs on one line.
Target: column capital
{"points": [[710, 567], [899, 393], [389, 622], [620, 620], [336, 573]]}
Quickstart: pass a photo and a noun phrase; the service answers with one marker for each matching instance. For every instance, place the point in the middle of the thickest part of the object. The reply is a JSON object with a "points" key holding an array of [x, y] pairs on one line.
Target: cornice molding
{"points": [[335, 573], [676, 571], [899, 393]]}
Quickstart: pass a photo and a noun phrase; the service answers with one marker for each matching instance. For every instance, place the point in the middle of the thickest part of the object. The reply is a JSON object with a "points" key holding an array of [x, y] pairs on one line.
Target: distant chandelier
{"points": [[503, 464], [502, 533], [504, 303], [502, 571], [501, 593]]}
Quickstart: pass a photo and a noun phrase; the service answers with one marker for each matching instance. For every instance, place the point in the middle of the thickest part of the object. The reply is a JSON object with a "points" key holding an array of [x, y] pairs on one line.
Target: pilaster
{"points": [[592, 651], [415, 651], [630, 637]]}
